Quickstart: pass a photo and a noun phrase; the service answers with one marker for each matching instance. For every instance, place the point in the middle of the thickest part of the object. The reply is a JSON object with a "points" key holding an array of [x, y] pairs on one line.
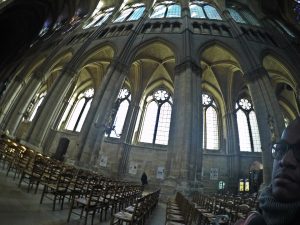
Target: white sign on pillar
{"points": [[103, 161], [133, 168], [160, 173]]}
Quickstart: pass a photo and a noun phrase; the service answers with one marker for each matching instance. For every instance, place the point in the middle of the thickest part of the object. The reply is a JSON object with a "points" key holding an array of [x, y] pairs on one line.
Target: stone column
{"points": [[50, 107], [269, 116], [232, 144], [127, 136], [93, 130], [184, 158], [8, 99]]}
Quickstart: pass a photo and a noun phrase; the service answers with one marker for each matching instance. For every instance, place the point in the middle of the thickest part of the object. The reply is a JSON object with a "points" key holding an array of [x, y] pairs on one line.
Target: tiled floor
{"points": [[17, 207]]}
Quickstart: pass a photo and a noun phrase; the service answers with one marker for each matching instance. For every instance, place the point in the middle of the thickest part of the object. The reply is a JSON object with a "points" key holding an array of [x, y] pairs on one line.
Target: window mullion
{"points": [[250, 132], [156, 123], [80, 114]]}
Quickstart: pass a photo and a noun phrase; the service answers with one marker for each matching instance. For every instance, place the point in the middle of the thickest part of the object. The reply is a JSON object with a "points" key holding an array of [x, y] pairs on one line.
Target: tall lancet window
{"points": [[210, 123], [156, 118], [119, 113], [166, 9], [34, 106], [79, 110], [249, 137]]}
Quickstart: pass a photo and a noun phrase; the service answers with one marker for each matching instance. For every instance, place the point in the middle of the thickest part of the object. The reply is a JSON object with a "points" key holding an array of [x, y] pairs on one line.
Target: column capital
{"points": [[119, 65], [255, 74], [70, 71], [188, 64]]}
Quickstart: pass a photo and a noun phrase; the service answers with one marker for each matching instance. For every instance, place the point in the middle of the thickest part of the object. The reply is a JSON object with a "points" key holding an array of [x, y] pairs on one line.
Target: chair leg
{"points": [[54, 202], [43, 193], [70, 211]]}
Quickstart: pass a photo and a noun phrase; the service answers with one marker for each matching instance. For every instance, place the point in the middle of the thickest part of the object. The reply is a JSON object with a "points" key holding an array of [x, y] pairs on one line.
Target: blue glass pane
{"points": [[197, 12], [159, 12], [102, 20], [174, 11], [136, 14], [251, 19], [212, 13], [123, 15], [236, 16]]}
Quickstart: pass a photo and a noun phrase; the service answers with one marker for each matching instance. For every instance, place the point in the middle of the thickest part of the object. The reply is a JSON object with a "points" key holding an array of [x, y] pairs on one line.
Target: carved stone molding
{"points": [[188, 64], [120, 66], [255, 74]]}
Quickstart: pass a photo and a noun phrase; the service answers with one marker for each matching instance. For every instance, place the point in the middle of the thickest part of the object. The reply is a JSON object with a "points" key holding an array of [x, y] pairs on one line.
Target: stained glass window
{"points": [[202, 10], [159, 11], [121, 108], [136, 14], [79, 110], [174, 11], [236, 16], [212, 13], [197, 11], [249, 137], [124, 14], [210, 123], [157, 118]]}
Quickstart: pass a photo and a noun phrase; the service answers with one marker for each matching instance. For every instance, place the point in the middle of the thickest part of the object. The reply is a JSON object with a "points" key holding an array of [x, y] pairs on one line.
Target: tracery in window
{"points": [[157, 117], [79, 110], [119, 113], [200, 9], [166, 9], [249, 137], [210, 123], [134, 12]]}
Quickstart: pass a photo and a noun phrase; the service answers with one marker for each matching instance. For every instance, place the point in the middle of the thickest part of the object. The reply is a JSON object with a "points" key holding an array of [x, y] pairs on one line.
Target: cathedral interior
{"points": [[193, 93]]}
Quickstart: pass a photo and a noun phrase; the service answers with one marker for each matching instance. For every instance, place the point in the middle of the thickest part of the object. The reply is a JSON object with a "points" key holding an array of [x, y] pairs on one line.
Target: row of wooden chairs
{"points": [[88, 193], [138, 212], [234, 207]]}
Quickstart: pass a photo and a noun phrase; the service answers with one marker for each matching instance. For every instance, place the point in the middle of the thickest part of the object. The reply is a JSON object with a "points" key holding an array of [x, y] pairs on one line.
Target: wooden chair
{"points": [[87, 205], [59, 190], [134, 218], [34, 172]]}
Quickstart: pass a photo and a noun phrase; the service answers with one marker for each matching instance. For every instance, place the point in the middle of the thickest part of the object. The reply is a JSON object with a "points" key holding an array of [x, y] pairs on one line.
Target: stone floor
{"points": [[17, 207]]}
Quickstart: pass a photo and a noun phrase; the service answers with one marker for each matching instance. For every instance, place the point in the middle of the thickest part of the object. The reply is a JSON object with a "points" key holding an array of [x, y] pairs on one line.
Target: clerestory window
{"points": [[202, 10], [166, 9], [98, 18], [131, 13]]}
